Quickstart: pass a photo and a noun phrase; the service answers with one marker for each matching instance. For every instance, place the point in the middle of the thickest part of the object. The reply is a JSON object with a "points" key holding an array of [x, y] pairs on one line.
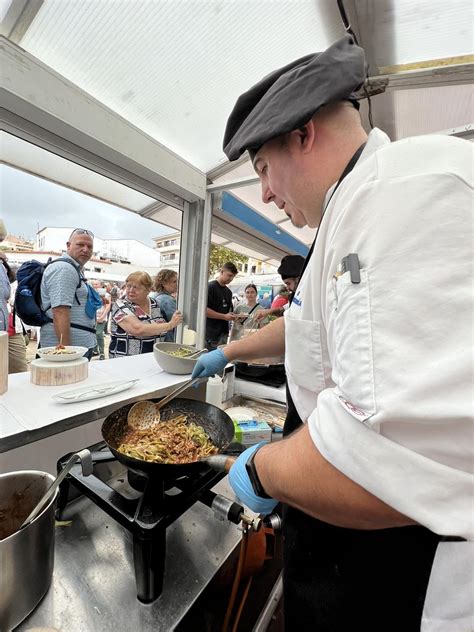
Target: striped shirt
{"points": [[123, 343], [59, 288]]}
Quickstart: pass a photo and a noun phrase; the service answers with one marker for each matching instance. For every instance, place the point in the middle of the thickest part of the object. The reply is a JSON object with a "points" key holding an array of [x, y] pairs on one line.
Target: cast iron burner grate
{"points": [[144, 506]]}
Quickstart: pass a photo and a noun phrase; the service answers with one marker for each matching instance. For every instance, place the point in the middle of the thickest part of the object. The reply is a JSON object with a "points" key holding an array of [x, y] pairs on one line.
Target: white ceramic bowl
{"points": [[174, 364], [46, 353]]}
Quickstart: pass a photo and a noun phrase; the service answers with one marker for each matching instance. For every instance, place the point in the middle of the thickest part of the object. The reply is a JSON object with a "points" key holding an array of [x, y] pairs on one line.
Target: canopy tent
{"points": [[209, 52], [138, 93]]}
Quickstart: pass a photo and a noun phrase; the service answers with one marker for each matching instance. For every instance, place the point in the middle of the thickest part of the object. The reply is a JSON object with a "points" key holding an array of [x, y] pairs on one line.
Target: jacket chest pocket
{"points": [[304, 353], [353, 370]]}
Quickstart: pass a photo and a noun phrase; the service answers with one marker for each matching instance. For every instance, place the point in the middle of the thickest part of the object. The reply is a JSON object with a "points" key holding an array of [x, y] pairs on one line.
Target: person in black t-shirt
{"points": [[219, 307]]}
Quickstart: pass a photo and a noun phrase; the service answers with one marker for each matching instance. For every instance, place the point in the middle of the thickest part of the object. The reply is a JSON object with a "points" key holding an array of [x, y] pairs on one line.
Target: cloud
{"points": [[28, 203]]}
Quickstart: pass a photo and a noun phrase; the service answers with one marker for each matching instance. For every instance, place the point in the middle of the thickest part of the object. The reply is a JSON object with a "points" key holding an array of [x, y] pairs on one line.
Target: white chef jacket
{"points": [[382, 370]]}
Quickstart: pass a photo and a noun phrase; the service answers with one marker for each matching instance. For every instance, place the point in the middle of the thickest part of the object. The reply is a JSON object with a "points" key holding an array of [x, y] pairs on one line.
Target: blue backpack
{"points": [[28, 293]]}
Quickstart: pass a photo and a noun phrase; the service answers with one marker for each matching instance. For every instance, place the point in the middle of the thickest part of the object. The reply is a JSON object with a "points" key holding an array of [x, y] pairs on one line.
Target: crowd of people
{"points": [[78, 312], [132, 315]]}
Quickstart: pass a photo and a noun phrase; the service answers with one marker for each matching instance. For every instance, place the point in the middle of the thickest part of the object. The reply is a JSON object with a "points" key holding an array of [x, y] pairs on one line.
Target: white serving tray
{"points": [[93, 392]]}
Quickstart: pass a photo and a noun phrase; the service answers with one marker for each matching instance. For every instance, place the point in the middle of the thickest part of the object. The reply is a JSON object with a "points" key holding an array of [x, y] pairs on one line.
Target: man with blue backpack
{"points": [[56, 297]]}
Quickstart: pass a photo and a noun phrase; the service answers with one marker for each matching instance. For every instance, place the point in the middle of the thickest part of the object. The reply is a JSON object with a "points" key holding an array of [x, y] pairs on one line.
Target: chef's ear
{"points": [[305, 136]]}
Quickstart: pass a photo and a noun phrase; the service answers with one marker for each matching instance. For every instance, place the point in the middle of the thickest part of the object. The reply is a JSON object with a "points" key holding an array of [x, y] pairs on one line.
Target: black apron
{"points": [[337, 579]]}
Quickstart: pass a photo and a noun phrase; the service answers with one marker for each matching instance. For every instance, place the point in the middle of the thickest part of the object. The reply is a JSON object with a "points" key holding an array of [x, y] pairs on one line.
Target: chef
{"points": [[375, 472]]}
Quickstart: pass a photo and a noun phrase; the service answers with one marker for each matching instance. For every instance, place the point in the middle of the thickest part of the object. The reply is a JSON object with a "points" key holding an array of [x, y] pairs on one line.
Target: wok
{"points": [[216, 423]]}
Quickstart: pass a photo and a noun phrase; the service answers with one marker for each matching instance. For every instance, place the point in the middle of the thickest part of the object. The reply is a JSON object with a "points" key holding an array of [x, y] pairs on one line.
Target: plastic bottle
{"points": [[214, 391]]}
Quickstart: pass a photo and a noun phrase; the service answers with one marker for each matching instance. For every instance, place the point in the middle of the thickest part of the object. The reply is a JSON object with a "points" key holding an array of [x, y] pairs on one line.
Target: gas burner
{"points": [[143, 506]]}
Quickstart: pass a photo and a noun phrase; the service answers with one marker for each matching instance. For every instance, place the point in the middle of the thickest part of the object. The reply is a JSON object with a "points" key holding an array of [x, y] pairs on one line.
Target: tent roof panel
{"points": [[32, 159], [175, 69], [404, 32]]}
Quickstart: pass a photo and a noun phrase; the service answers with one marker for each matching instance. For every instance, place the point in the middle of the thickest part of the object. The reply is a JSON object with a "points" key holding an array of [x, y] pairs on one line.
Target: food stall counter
{"points": [[31, 413]]}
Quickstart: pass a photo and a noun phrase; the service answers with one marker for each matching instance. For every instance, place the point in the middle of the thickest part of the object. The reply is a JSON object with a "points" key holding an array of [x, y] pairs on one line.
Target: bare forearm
{"points": [[272, 311], [268, 341], [62, 324], [210, 313], [143, 330], [294, 471]]}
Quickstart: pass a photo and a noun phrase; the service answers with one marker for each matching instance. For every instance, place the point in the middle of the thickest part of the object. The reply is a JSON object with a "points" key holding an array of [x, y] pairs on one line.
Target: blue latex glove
{"points": [[240, 483], [210, 364]]}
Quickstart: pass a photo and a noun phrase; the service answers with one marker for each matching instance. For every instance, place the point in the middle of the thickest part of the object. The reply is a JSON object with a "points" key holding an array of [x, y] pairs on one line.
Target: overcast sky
{"points": [[28, 203]]}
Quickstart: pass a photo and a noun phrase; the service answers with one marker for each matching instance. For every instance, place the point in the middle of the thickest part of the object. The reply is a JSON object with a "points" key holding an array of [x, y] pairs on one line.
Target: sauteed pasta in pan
{"points": [[216, 424], [175, 441]]}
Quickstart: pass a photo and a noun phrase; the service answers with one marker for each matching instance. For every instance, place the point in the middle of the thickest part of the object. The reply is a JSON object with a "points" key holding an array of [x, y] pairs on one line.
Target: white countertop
{"points": [[28, 411]]}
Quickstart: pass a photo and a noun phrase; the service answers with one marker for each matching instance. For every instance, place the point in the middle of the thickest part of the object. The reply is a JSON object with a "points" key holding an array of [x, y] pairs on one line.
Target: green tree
{"points": [[220, 255]]}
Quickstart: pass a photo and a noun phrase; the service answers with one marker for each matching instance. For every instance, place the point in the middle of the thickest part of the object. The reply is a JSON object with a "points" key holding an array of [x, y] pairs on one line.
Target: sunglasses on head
{"points": [[82, 231]]}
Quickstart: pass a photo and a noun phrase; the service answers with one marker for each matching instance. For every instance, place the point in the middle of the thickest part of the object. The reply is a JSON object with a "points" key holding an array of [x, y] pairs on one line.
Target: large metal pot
{"points": [[26, 556]]}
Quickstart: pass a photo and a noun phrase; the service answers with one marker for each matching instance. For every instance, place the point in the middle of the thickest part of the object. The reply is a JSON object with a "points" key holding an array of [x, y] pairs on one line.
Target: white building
{"points": [[117, 250], [168, 247], [255, 266], [113, 259]]}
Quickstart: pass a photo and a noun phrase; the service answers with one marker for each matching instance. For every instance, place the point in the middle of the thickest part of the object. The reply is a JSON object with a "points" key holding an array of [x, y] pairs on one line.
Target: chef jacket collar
{"points": [[375, 140]]}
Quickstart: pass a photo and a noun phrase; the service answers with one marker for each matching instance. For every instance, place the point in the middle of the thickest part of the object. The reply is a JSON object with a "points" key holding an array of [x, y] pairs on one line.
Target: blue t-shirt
{"points": [[168, 307]]}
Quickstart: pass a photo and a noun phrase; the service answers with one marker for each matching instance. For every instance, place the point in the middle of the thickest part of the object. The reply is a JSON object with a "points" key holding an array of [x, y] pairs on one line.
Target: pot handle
{"points": [[85, 457]]}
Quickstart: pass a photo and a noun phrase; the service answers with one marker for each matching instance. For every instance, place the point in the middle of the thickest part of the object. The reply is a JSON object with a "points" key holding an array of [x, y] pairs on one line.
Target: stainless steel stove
{"points": [[116, 542]]}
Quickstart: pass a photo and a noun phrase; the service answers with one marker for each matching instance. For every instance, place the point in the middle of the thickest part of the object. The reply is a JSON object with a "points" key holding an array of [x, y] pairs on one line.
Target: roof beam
{"points": [[423, 78], [18, 18], [233, 184]]}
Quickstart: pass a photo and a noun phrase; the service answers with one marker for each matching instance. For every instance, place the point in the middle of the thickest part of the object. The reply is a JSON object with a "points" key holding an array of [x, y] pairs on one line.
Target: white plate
{"points": [[241, 413], [78, 352], [93, 392]]}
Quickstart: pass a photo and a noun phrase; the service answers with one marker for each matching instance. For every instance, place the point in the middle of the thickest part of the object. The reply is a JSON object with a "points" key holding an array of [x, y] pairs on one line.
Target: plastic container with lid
{"points": [[215, 391]]}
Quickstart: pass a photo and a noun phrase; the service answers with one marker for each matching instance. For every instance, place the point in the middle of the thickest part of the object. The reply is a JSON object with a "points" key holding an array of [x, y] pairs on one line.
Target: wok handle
{"points": [[220, 462]]}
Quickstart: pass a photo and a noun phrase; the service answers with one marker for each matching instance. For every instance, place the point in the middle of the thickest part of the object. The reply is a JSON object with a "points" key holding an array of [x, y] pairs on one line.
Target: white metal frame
{"points": [[42, 106]]}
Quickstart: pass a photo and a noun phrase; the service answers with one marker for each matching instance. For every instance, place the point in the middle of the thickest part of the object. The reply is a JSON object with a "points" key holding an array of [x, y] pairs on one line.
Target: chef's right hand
{"points": [[210, 364]]}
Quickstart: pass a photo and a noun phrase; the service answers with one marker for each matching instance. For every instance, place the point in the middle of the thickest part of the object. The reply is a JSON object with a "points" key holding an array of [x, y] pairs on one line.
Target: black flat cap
{"points": [[288, 97], [291, 266]]}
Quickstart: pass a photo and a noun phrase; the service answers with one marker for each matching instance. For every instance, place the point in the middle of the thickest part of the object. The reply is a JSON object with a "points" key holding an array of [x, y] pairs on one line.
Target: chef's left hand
{"points": [[242, 486]]}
